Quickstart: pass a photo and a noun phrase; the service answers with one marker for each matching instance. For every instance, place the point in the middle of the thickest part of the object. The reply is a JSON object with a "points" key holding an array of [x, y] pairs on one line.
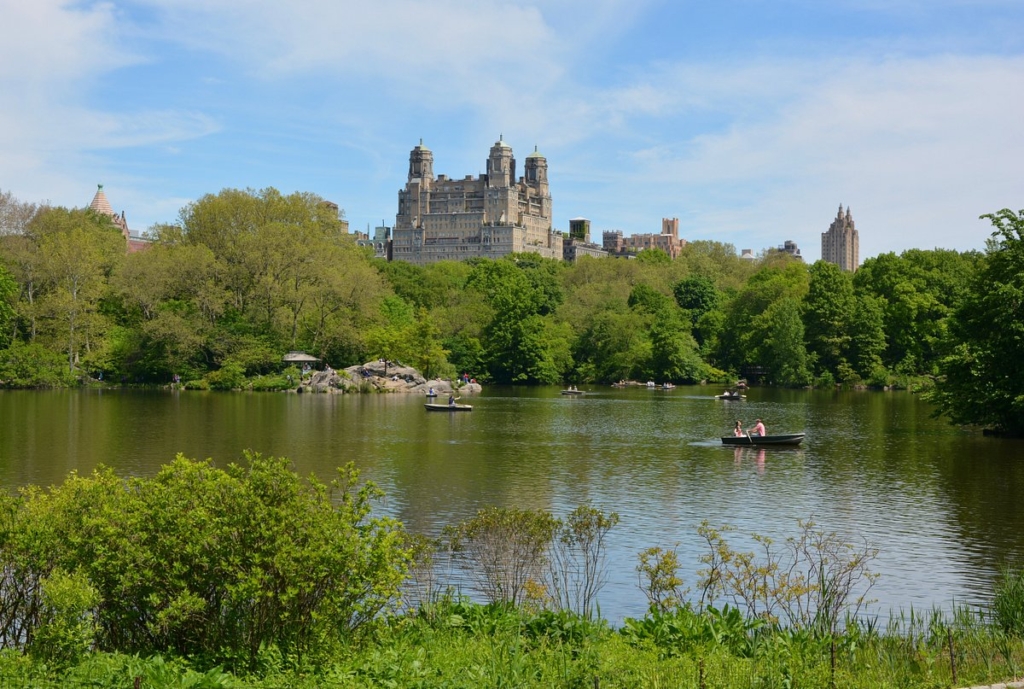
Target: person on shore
{"points": [[759, 429], [738, 430]]}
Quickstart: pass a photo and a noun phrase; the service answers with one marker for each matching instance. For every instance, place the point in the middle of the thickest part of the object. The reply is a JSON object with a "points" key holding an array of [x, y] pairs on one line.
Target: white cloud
{"points": [[919, 148]]}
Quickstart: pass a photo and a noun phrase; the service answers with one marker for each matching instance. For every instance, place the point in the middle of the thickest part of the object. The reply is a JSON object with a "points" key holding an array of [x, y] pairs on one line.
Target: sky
{"points": [[751, 121]]}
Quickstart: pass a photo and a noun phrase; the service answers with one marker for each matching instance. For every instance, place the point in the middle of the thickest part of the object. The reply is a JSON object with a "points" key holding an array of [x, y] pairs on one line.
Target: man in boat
{"points": [[759, 429], [451, 400]]}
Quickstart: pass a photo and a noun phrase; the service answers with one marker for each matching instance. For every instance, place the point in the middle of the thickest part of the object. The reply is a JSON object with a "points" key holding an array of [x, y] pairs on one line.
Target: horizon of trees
{"points": [[243, 276]]}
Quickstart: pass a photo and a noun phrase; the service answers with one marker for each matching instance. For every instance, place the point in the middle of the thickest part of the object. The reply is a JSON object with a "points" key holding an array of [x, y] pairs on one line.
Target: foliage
{"points": [[506, 550], [243, 276], [33, 366], [658, 578], [982, 373], [214, 564], [1008, 602], [577, 560], [811, 581], [66, 627]]}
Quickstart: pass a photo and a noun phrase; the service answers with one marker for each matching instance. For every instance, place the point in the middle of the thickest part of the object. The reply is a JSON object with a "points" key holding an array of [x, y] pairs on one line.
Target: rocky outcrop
{"points": [[376, 376]]}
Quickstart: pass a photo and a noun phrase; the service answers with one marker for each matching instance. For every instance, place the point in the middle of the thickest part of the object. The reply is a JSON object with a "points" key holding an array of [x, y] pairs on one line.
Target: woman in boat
{"points": [[759, 429], [738, 430]]}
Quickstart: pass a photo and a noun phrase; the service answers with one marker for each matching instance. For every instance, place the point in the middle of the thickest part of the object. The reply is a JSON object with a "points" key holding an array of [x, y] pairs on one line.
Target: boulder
{"points": [[376, 376]]}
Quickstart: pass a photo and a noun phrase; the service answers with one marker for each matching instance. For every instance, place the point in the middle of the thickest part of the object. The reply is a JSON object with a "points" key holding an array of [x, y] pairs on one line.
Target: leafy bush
{"points": [[33, 366], [230, 376], [208, 563], [66, 626]]}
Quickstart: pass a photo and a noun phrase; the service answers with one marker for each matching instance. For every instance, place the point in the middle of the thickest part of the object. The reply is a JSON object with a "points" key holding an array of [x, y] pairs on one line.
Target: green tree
{"points": [[8, 294], [828, 316], [982, 375], [739, 343], [674, 354], [781, 351], [78, 251]]}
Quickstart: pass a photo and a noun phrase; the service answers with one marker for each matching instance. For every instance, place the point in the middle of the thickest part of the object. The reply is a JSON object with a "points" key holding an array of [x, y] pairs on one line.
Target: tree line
{"points": [[243, 276]]}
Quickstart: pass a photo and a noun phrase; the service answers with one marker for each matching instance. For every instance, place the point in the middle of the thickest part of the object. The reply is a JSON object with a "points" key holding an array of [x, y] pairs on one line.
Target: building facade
{"points": [[490, 216], [841, 244], [380, 242], [578, 242], [668, 241]]}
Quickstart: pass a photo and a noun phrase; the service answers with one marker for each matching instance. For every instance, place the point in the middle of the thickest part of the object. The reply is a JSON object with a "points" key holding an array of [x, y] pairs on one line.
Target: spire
{"points": [[100, 203]]}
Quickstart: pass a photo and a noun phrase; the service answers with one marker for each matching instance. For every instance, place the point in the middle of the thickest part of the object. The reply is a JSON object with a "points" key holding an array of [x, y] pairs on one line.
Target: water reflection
{"points": [[939, 502]]}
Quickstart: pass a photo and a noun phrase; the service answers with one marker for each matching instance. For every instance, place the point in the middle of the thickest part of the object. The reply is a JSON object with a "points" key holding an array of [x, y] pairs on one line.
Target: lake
{"points": [[943, 505]]}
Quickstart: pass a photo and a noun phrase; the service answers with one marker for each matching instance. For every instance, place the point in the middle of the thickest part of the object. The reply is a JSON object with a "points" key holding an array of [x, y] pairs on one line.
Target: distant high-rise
{"points": [[841, 244]]}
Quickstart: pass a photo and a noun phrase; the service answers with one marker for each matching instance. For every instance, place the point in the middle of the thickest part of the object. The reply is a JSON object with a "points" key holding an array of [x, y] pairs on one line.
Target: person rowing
{"points": [[759, 429]]}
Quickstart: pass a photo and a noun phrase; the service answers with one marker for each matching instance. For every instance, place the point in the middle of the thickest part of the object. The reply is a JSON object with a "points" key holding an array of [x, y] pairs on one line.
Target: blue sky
{"points": [[750, 121]]}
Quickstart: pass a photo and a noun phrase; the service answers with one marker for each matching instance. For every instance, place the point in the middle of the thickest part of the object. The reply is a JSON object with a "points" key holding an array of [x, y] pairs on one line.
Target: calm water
{"points": [[943, 505]]}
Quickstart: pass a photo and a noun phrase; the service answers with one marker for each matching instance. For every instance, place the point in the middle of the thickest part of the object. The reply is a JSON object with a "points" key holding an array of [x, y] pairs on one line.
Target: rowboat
{"points": [[572, 392], [786, 439], [730, 396], [448, 407]]}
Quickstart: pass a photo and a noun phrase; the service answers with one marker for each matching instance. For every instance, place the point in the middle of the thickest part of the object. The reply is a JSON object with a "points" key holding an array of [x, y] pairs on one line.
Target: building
{"points": [[841, 244], [668, 241], [380, 242], [101, 205], [578, 242], [790, 247], [490, 216]]}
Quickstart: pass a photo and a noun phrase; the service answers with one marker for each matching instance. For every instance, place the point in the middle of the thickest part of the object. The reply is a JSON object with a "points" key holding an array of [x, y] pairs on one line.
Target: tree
{"points": [[982, 374], [739, 343], [781, 351], [828, 315], [78, 251], [8, 293]]}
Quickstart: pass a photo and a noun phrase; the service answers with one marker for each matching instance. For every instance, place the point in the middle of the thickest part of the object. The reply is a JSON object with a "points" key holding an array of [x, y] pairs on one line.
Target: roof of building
{"points": [[535, 154], [299, 357], [100, 203]]}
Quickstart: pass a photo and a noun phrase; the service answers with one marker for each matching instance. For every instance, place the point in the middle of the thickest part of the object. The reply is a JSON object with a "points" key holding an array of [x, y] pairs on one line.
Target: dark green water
{"points": [[945, 506]]}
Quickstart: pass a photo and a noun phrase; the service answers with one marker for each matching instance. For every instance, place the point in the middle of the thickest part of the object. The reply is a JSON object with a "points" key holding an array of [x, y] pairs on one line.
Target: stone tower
{"points": [[421, 164], [501, 166], [841, 244]]}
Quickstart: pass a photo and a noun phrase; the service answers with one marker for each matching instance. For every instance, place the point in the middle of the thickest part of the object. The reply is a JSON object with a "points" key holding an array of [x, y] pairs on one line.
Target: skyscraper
{"points": [[841, 244]]}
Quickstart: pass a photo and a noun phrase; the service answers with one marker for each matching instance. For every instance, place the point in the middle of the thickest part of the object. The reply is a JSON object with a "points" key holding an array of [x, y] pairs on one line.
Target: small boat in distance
{"points": [[572, 392], [785, 439], [448, 407], [730, 396]]}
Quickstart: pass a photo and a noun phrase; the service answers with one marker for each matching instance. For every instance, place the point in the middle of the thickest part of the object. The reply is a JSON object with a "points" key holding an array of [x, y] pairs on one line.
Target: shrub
{"points": [[230, 376], [1008, 602], [506, 549], [66, 625], [33, 366], [216, 564]]}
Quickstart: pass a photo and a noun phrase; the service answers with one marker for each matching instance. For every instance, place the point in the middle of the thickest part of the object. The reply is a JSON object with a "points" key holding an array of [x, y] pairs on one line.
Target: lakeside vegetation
{"points": [[251, 576], [243, 276]]}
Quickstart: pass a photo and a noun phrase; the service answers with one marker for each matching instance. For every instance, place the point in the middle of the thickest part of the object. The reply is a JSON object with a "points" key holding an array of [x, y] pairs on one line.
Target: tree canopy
{"points": [[982, 372]]}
